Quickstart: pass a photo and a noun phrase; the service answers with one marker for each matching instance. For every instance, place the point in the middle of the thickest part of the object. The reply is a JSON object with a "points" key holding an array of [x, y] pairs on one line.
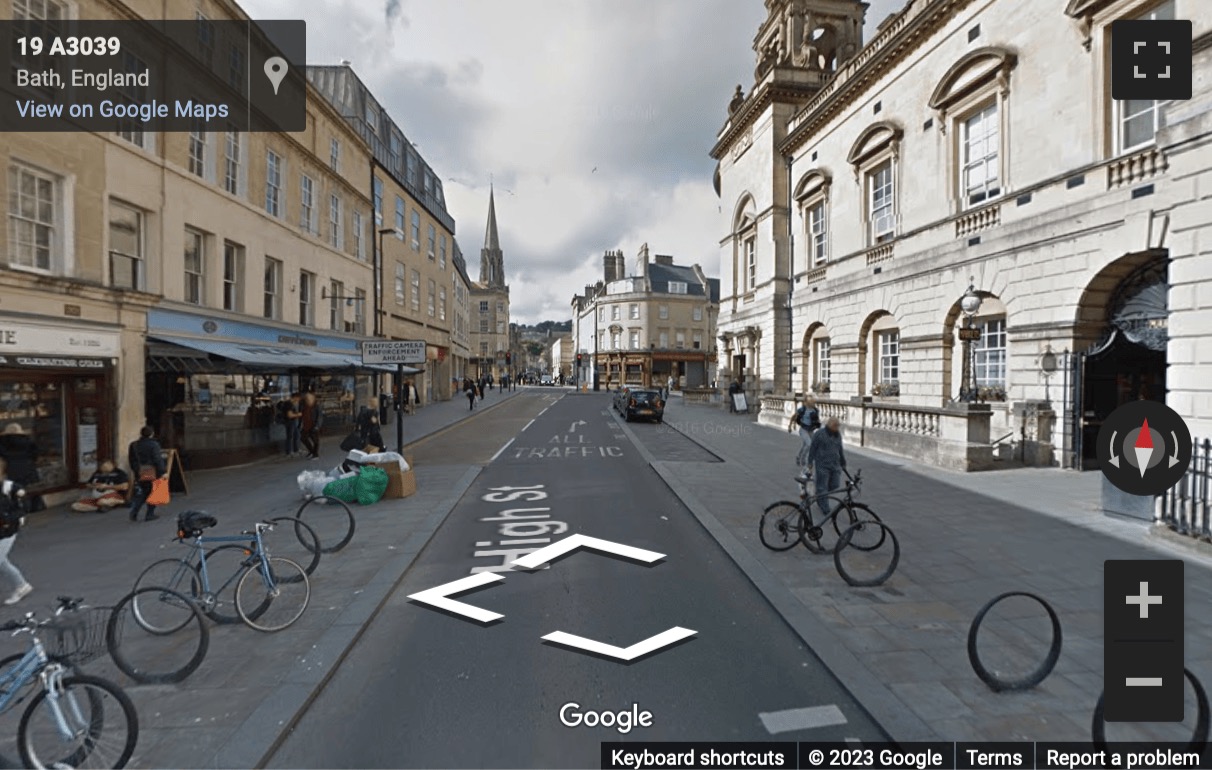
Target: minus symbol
{"points": [[1143, 681]]}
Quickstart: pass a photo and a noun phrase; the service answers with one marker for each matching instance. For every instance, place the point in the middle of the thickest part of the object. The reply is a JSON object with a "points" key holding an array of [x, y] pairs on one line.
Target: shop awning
{"points": [[270, 357]]}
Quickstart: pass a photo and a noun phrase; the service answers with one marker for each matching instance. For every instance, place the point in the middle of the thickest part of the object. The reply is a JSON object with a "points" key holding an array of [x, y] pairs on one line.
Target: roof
{"points": [[660, 275]]}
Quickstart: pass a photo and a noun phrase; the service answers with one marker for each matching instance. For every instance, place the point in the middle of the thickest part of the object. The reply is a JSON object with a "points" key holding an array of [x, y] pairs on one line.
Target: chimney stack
{"points": [[620, 264], [611, 267], [663, 259]]}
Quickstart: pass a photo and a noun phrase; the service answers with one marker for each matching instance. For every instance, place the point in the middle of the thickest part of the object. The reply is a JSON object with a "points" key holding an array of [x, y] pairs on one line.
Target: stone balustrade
{"points": [[955, 437]]}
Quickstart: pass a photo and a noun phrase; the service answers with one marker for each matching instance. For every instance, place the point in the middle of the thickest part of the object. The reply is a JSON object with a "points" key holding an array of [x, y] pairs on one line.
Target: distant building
{"points": [[642, 328], [490, 305], [560, 355]]}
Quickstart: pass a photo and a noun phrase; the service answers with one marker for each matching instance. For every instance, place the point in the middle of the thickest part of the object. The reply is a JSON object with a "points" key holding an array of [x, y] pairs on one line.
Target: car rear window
{"points": [[645, 395]]}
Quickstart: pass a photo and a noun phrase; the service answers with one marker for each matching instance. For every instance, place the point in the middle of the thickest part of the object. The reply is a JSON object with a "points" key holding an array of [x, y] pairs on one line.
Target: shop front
{"points": [[58, 383], [213, 383]]}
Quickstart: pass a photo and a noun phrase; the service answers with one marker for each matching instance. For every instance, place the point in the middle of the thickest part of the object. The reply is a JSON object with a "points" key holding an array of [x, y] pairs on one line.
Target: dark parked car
{"points": [[644, 405]]}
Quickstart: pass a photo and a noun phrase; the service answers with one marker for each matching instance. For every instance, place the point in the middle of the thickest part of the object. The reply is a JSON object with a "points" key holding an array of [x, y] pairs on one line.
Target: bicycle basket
{"points": [[191, 523], [78, 636]]}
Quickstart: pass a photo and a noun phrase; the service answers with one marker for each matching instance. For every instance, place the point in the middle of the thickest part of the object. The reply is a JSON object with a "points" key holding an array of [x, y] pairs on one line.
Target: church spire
{"points": [[491, 241], [492, 262]]}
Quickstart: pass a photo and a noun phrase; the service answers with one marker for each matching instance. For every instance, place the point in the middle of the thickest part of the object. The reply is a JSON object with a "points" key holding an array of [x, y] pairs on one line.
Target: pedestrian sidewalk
{"points": [[901, 648], [252, 686]]}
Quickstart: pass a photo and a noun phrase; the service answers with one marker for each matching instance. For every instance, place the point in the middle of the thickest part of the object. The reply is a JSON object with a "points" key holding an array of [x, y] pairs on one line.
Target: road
{"points": [[426, 689]]}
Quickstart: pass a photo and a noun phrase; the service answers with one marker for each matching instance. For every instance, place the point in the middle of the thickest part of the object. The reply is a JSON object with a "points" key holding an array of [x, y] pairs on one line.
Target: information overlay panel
{"points": [[903, 756], [136, 76]]}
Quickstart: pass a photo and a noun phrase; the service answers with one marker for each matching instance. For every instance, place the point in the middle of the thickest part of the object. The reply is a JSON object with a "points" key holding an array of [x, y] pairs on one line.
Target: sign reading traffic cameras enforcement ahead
{"points": [[393, 352]]}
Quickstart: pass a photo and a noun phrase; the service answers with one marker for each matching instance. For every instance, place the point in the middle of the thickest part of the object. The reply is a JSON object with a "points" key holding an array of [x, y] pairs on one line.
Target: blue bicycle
{"points": [[70, 715], [257, 582]]}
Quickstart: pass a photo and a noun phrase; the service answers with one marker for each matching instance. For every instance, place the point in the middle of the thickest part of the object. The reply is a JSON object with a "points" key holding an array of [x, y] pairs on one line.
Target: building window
{"points": [[273, 184], [500, 327], [679, 340], [40, 10], [399, 218], [616, 340], [359, 311], [442, 252], [307, 207], [750, 263], [635, 311], [231, 162], [336, 316], [307, 298], [206, 39], [359, 245], [483, 306], [698, 312], [500, 308], [197, 148], [395, 144], [697, 340], [818, 233], [664, 340], [400, 284], [33, 212], [989, 353], [677, 287], [890, 356], [377, 187], [601, 314], [416, 291], [980, 142], [372, 116], [236, 70], [416, 230], [635, 339], [336, 232], [431, 307], [125, 246], [334, 154], [195, 267], [433, 238], [823, 368], [1137, 121], [442, 304], [483, 350], [273, 288], [131, 129], [663, 312], [233, 271], [882, 217], [483, 326], [614, 313]]}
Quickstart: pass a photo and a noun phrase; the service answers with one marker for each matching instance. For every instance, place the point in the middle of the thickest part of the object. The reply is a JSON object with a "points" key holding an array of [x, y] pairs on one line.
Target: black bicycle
{"points": [[786, 523]]}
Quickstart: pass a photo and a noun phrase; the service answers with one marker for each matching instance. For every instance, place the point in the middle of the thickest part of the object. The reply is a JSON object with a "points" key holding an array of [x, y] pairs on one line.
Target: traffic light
{"points": [[508, 358], [578, 359]]}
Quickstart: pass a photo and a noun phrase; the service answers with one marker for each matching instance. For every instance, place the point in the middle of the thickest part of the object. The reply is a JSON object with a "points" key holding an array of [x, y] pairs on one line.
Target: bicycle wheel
{"points": [[227, 562], [332, 520], [166, 614], [851, 573], [865, 539], [780, 526], [289, 594], [159, 662], [10, 755], [309, 554], [85, 705]]}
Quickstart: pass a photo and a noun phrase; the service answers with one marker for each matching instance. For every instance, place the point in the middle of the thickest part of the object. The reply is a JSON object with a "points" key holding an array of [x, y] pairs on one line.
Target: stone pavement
{"points": [[901, 648], [252, 686]]}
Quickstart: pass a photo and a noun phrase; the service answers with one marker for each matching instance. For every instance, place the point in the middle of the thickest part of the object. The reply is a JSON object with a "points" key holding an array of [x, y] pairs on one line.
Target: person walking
{"points": [[311, 421], [827, 459], [289, 414], [807, 419], [668, 387], [146, 459], [12, 508], [470, 391], [410, 393], [21, 453]]}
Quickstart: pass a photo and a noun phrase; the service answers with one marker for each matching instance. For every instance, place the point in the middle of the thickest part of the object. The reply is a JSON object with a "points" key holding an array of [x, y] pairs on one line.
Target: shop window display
{"points": [[38, 408]]}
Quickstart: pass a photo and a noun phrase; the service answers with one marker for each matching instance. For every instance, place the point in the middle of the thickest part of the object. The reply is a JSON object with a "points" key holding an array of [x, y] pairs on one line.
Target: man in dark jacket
{"points": [[312, 421], [827, 459], [22, 455], [146, 464]]}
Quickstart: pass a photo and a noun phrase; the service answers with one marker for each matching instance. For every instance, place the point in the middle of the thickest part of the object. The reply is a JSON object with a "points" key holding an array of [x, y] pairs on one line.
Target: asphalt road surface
{"points": [[423, 688]]}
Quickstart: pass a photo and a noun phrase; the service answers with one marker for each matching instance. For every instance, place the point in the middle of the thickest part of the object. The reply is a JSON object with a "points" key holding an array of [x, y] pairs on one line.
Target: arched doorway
{"points": [[1129, 360]]}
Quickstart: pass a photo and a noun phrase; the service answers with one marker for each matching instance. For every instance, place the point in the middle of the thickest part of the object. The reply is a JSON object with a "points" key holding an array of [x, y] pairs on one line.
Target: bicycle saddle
{"points": [[191, 523]]}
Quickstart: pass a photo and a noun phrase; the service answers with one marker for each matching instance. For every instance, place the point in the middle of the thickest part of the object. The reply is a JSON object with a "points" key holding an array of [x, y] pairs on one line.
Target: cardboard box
{"points": [[399, 484]]}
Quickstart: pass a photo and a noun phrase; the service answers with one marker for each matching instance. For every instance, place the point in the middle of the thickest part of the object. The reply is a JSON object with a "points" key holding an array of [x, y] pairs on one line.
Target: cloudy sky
{"points": [[536, 94]]}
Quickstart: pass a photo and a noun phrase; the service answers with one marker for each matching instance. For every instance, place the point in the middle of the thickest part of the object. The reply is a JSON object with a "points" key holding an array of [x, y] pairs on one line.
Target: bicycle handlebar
{"points": [[259, 527], [69, 603]]}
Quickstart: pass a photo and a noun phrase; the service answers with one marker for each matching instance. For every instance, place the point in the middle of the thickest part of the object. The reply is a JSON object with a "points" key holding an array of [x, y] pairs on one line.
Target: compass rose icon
{"points": [[1144, 448]]}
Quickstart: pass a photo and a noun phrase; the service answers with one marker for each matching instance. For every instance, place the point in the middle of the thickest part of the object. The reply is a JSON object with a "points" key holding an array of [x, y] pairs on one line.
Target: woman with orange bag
{"points": [[147, 465]]}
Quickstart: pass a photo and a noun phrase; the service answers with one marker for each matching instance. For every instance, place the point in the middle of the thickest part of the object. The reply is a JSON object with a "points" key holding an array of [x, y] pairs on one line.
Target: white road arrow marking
{"points": [[1114, 457], [541, 557], [439, 597], [637, 650], [1174, 457], [573, 428]]}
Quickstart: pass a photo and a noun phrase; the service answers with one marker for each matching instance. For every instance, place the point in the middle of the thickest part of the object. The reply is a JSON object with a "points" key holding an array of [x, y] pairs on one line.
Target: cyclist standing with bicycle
{"points": [[808, 420], [827, 459]]}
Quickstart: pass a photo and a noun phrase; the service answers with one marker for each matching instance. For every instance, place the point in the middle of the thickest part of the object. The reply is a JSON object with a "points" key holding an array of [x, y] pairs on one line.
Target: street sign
{"points": [[393, 352]]}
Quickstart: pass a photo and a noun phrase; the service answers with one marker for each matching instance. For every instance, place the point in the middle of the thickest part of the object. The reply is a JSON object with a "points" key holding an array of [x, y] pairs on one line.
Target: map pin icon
{"points": [[275, 70]]}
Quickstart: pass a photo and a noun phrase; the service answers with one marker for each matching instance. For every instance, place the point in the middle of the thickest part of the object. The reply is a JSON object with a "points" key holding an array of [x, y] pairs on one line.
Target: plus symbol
{"points": [[1144, 600]]}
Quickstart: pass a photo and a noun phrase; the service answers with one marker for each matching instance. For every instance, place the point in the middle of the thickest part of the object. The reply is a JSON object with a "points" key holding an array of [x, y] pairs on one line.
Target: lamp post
{"points": [[970, 304], [378, 325], [596, 380]]}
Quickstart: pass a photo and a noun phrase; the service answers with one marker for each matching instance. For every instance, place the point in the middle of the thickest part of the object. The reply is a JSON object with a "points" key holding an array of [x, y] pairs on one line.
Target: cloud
{"points": [[536, 94]]}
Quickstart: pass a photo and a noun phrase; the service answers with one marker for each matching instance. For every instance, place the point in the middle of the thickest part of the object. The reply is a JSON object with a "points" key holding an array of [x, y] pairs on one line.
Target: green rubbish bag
{"points": [[342, 489], [370, 484]]}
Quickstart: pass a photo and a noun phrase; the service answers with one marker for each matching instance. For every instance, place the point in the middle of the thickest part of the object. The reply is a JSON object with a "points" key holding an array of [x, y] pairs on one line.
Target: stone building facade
{"points": [[490, 337], [644, 326], [867, 188]]}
